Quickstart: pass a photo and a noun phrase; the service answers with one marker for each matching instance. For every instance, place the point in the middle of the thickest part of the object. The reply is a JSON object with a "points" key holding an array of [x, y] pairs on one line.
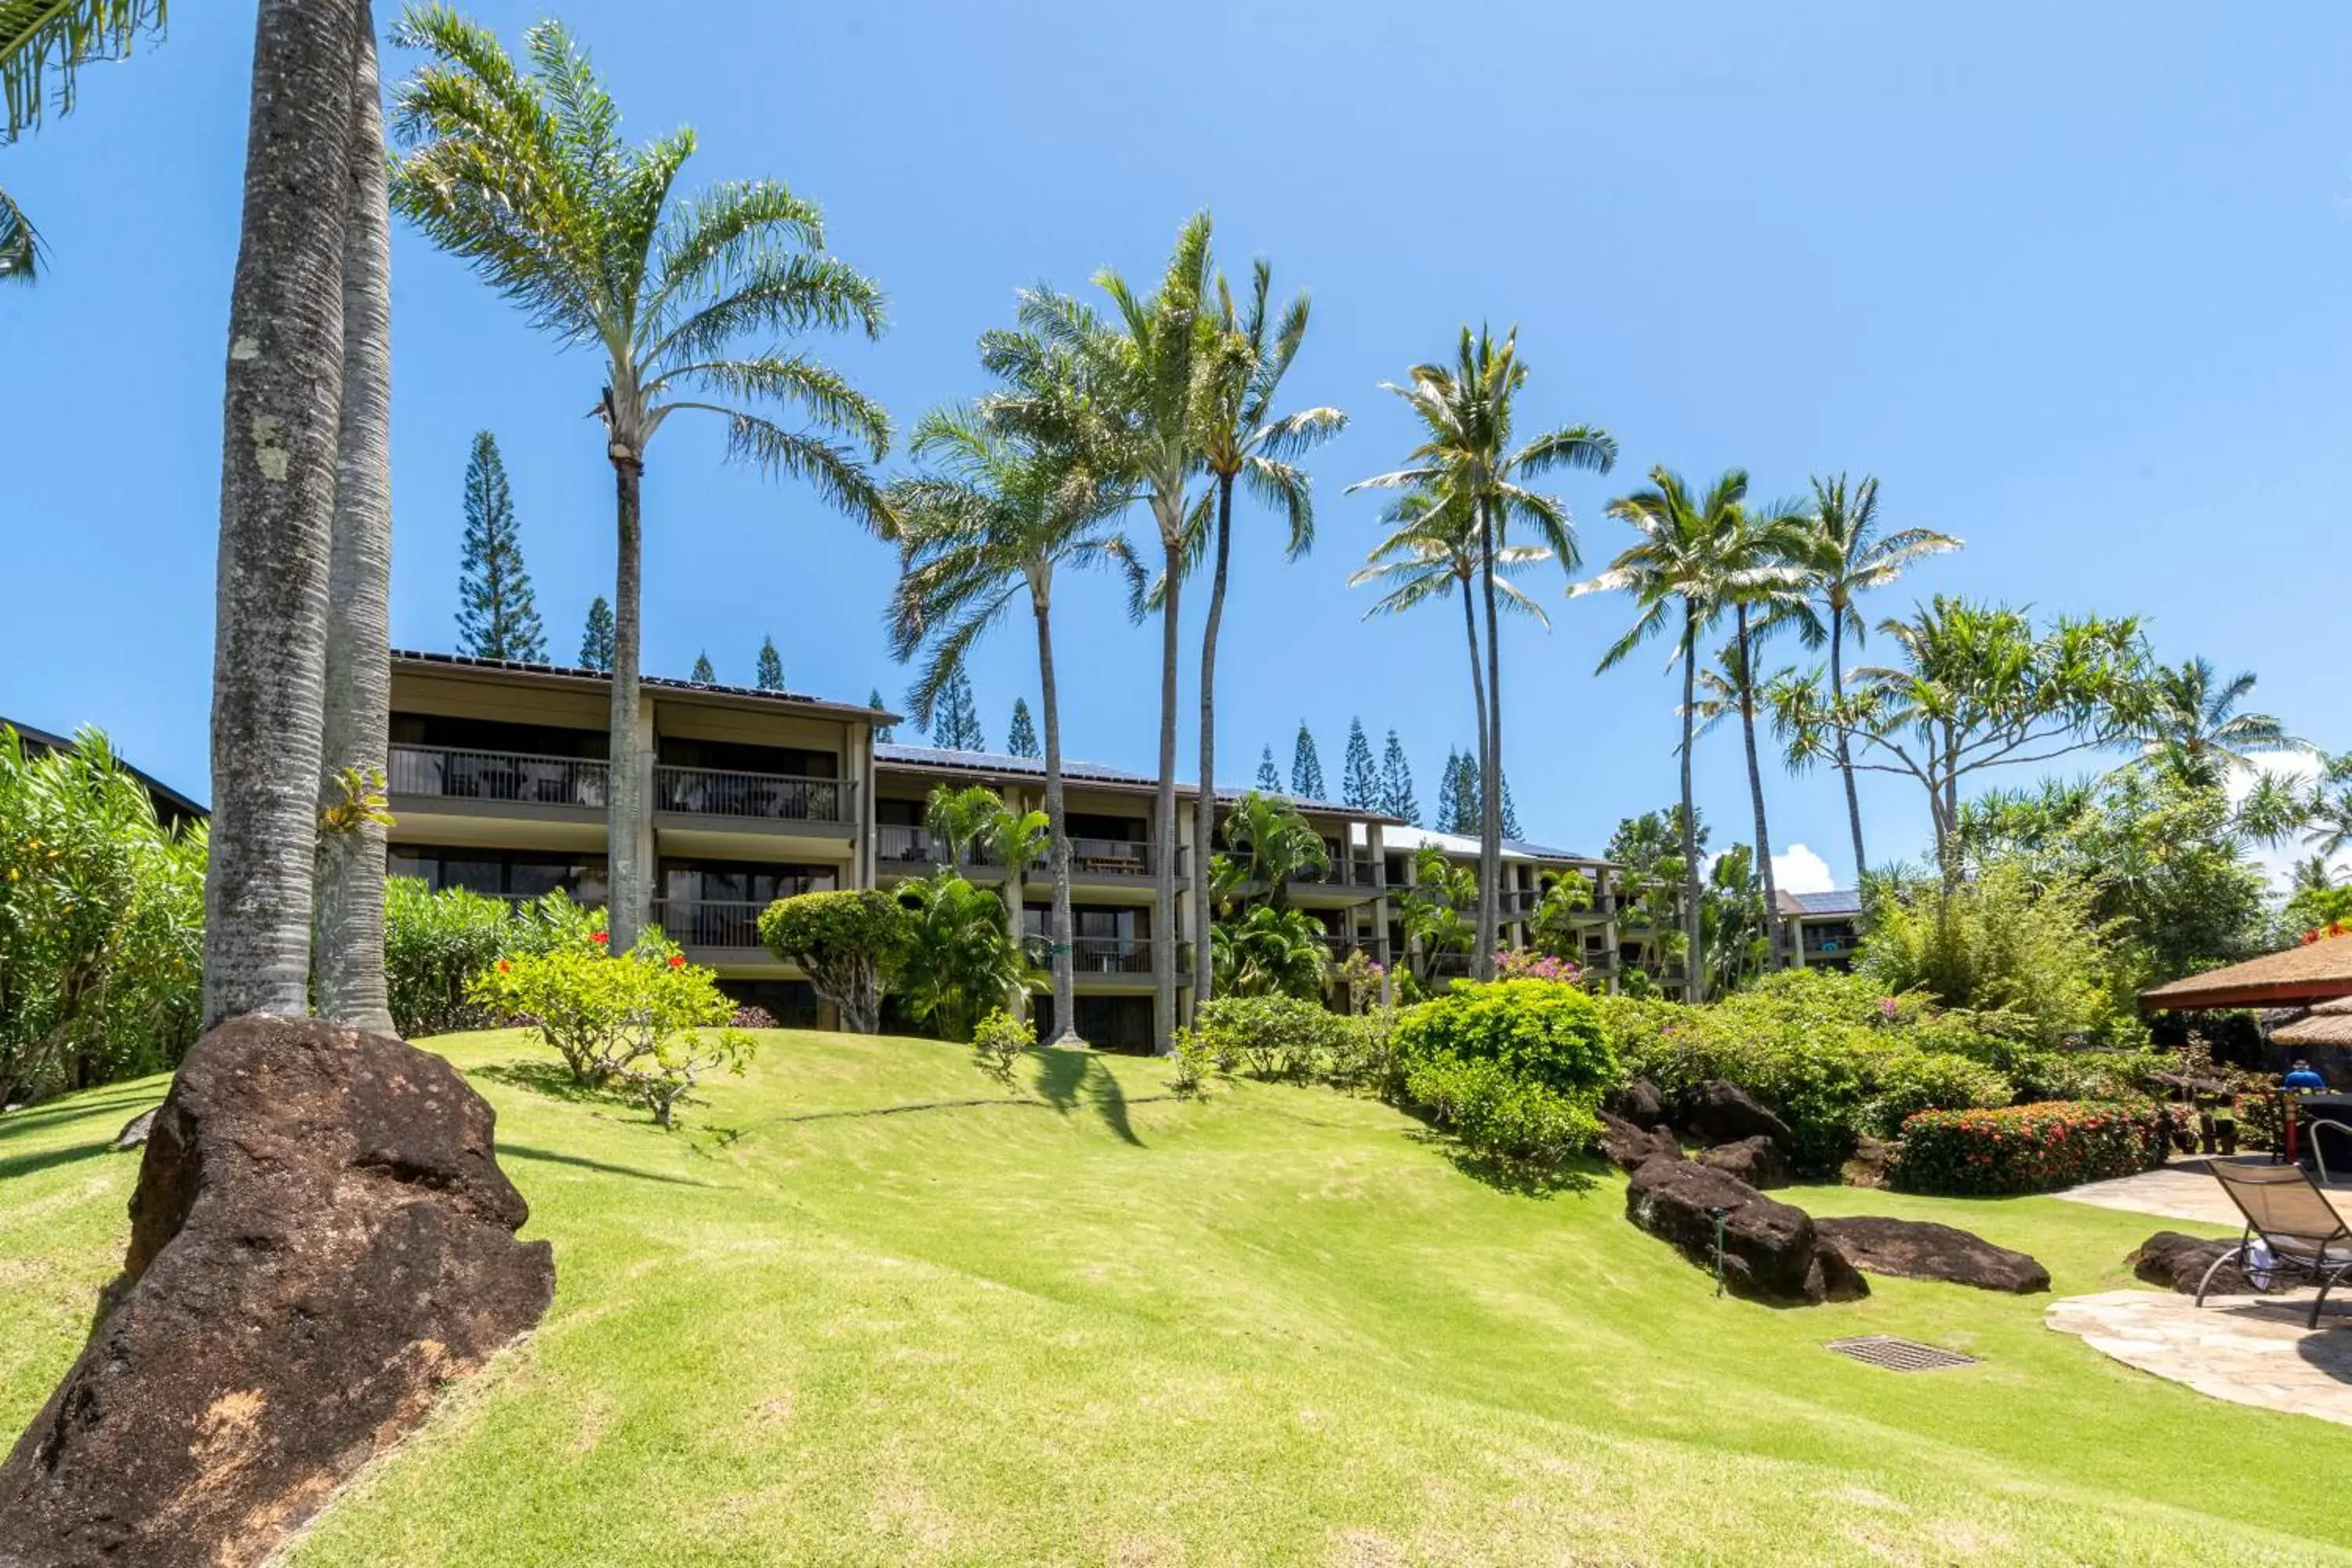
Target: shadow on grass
{"points": [[1521, 1178], [1065, 1077], [25, 1165], [49, 1113], [552, 1080], [548, 1157]]}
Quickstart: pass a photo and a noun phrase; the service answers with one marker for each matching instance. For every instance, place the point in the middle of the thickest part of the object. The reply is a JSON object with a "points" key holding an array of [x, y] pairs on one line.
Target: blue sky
{"points": [[2071, 281]]}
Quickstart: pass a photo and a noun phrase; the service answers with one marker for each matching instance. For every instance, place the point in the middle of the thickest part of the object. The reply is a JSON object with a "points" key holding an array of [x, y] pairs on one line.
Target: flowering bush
{"points": [[1527, 963], [437, 943], [2321, 933], [750, 1015], [2025, 1147], [1514, 1068]]}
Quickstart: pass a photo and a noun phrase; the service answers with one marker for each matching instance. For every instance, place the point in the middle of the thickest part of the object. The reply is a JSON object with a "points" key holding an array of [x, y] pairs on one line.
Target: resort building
{"points": [[173, 809], [1818, 931], [499, 782]]}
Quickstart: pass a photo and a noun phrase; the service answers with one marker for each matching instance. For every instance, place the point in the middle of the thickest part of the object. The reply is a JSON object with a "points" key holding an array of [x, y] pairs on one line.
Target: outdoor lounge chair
{"points": [[2287, 1211]]}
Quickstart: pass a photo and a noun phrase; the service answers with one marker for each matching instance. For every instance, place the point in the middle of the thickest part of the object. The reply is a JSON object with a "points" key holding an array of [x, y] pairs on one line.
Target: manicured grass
{"points": [[1280, 1327]]}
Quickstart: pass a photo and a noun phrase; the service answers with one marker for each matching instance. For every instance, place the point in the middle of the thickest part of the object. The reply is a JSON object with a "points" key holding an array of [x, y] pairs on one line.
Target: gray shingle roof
{"points": [[659, 682]]}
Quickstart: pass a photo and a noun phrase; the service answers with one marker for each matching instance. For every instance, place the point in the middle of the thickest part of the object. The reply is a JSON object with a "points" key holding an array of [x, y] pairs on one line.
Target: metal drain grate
{"points": [[1899, 1356]]}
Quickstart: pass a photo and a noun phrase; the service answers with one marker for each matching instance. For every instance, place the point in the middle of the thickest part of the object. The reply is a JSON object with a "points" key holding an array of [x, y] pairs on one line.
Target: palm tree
{"points": [[1278, 840], [1271, 952], [1682, 559], [1244, 439], [960, 956], [1765, 591], [1844, 556], [998, 515], [526, 176], [42, 45], [2192, 720], [1467, 412]]}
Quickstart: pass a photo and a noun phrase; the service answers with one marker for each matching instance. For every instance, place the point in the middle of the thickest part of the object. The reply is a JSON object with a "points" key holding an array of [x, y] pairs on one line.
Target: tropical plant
{"points": [[1437, 910], [1843, 556], [1243, 438], [1277, 842], [1397, 798], [2190, 720], [497, 618], [1466, 460], [1688, 558], [1271, 1036], [995, 519], [961, 958], [1554, 928], [438, 944], [998, 1040], [524, 175], [1978, 686], [44, 43], [1270, 951], [847, 942]]}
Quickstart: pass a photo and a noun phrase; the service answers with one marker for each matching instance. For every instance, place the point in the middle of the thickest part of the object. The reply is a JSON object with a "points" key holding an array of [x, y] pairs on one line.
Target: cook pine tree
{"points": [[770, 676], [596, 641], [497, 615], [1021, 740], [1269, 778], [1306, 767], [955, 718], [703, 674], [1396, 783], [1359, 781]]}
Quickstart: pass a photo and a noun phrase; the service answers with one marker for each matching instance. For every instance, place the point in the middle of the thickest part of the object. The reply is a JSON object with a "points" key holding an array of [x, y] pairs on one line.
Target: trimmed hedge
{"points": [[2025, 1147]]}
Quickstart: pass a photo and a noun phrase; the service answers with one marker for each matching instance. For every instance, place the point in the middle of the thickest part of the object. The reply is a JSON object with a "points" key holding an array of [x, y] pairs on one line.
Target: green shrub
{"points": [[1499, 1114], [604, 1013], [956, 959], [1515, 1069], [1000, 1040], [1272, 1036], [436, 945], [2025, 1147], [847, 942]]}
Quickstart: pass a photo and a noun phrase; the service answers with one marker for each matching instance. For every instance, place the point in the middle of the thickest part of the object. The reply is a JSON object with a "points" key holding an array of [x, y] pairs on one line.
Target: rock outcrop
{"points": [[1629, 1147], [1721, 1112], [1756, 1160], [1771, 1250], [1640, 1103], [1922, 1249], [2178, 1262], [321, 1238]]}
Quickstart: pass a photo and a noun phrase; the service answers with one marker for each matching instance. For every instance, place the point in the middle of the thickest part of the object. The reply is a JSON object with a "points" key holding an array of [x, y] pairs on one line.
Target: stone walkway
{"points": [[2248, 1350], [2181, 1190]]}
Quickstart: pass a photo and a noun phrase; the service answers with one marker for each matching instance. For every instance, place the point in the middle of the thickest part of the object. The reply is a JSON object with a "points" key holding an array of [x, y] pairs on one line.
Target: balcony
{"points": [[446, 774], [761, 797], [701, 922], [1372, 945], [1115, 858], [1106, 955], [909, 851], [1341, 873]]}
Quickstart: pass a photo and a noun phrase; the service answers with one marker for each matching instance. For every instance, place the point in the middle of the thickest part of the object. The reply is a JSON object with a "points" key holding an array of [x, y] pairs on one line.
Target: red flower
{"points": [[678, 961], [504, 966], [600, 938]]}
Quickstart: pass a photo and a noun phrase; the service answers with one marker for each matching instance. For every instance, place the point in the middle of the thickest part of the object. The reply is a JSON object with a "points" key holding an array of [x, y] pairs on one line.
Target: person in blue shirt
{"points": [[2301, 1078]]}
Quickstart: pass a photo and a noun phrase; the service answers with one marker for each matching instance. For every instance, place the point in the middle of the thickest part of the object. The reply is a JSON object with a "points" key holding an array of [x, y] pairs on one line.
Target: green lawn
{"points": [[1280, 1327]]}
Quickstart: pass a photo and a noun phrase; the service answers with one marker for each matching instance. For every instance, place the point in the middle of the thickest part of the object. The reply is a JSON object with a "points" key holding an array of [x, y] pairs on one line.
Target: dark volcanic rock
{"points": [[1771, 1250], [1922, 1249], [2177, 1261], [1629, 1147], [1866, 1166], [1719, 1112], [319, 1238], [1640, 1103], [1756, 1160], [134, 1131]]}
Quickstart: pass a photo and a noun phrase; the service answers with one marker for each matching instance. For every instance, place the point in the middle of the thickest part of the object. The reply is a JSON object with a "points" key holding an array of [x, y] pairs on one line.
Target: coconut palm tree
{"points": [[1765, 591], [1467, 412], [996, 517], [1684, 560], [2192, 720], [1843, 555], [42, 45], [689, 301], [1243, 439]]}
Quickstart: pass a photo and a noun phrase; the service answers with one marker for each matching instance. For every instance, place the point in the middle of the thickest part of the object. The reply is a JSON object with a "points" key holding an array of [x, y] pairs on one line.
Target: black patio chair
{"points": [[2285, 1210]]}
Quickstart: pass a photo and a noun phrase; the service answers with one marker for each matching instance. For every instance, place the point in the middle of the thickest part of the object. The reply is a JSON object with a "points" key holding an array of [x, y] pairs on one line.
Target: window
{"points": [[496, 735], [1095, 824], [500, 874], [742, 882], [736, 757]]}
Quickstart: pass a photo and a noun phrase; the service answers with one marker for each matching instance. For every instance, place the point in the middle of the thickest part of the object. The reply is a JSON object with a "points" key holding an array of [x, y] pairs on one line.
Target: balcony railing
{"points": [[772, 797], [1340, 873], [708, 923], [452, 774], [907, 845], [1106, 955], [1115, 858], [1372, 944]]}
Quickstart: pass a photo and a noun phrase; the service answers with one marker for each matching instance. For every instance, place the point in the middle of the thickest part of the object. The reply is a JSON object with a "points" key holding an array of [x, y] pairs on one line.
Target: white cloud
{"points": [[1798, 870]]}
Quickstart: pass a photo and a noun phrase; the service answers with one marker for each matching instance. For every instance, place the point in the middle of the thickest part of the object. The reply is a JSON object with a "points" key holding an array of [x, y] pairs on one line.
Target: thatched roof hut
{"points": [[2300, 977], [2329, 1024]]}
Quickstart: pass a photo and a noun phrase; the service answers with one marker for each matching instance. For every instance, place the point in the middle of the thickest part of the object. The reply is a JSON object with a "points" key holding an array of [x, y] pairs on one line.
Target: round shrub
{"points": [[845, 943], [1543, 1031], [1273, 1037], [2025, 1147]]}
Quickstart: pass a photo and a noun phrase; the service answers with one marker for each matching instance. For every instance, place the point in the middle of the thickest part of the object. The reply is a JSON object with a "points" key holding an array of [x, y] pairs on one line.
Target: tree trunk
{"points": [[348, 957], [1693, 955], [1844, 752], [279, 420], [1756, 794], [1163, 914], [626, 877], [1490, 771], [1058, 850], [1204, 808], [1477, 677]]}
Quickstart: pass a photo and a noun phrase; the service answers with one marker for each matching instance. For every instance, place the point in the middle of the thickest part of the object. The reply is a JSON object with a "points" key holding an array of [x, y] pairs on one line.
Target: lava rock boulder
{"points": [[1771, 1250], [1756, 1160], [1640, 1103], [2178, 1262], [1629, 1147], [320, 1239], [1922, 1249], [1721, 1112]]}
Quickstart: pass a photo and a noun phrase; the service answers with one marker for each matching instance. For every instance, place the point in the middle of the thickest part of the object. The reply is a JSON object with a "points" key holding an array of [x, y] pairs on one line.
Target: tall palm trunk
{"points": [[1057, 842], [1693, 975], [349, 952], [1477, 677], [1844, 754], [1756, 794], [280, 417], [1169, 503], [1204, 806], [628, 875], [1490, 770]]}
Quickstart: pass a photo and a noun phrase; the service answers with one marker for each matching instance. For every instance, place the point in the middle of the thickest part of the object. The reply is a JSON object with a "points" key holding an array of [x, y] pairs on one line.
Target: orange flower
{"points": [[600, 938], [504, 966], [678, 961]]}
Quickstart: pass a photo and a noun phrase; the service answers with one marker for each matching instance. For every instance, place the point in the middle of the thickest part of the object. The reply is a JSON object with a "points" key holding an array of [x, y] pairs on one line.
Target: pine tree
{"points": [[1510, 812], [772, 668], [1306, 767], [882, 732], [1021, 740], [1359, 781], [1468, 809], [596, 642], [955, 718], [497, 616], [1396, 783], [1449, 789], [1269, 781], [703, 674]]}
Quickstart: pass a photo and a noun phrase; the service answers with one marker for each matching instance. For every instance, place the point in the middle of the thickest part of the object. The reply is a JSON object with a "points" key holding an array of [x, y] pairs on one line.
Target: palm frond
{"points": [[44, 43], [20, 243]]}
